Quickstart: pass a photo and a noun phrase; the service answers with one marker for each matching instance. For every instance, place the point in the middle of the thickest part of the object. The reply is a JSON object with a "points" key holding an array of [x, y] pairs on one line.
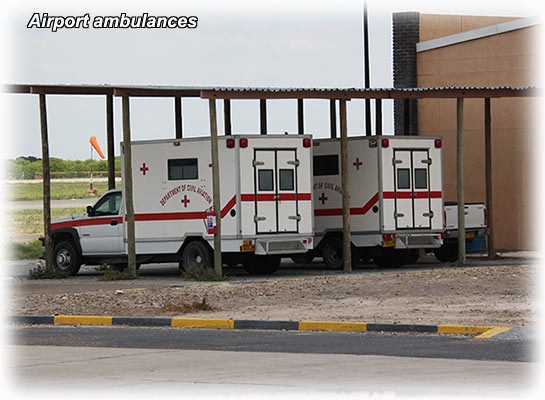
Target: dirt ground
{"points": [[483, 295]]}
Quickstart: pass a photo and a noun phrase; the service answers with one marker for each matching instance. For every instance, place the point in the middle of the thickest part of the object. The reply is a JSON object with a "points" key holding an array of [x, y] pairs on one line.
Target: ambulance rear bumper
{"points": [[418, 241], [275, 246]]}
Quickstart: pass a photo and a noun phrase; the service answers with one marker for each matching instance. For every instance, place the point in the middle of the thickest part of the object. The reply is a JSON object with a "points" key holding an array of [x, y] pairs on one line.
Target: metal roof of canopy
{"points": [[276, 93]]}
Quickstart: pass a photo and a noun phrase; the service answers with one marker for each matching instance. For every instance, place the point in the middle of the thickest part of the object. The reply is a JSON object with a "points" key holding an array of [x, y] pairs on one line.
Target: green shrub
{"points": [[41, 272]]}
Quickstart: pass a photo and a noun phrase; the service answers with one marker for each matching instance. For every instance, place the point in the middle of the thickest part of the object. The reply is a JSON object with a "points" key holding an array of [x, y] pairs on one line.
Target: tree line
{"points": [[30, 167]]}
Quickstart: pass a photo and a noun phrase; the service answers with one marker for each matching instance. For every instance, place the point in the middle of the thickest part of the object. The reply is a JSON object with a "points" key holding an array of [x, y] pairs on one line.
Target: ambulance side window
{"points": [[326, 165], [182, 168], [108, 205]]}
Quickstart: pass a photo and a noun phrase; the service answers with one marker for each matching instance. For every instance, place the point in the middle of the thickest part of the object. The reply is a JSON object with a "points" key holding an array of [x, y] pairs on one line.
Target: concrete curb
{"points": [[481, 331]]}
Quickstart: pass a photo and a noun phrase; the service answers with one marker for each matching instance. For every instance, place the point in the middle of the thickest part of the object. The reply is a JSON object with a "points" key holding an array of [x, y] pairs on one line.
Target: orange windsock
{"points": [[96, 146]]}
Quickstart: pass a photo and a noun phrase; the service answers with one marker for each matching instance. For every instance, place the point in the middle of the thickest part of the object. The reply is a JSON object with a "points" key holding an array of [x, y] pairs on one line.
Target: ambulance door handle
{"points": [[295, 217], [296, 163], [428, 161], [399, 215], [430, 214], [256, 163], [257, 218], [113, 222]]}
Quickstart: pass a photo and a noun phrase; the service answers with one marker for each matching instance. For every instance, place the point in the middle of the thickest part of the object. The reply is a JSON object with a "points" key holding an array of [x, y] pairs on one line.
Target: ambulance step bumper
{"points": [[280, 246], [418, 241]]}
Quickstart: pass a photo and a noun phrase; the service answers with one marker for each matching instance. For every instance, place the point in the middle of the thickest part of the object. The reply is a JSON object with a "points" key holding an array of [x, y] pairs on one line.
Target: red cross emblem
{"points": [[322, 198], [143, 168], [185, 200], [357, 163]]}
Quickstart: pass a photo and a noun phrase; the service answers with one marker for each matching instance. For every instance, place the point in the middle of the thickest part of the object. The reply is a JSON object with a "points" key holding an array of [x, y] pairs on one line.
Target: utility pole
{"points": [[460, 181], [215, 185], [345, 183], [368, 131], [48, 244], [129, 204]]}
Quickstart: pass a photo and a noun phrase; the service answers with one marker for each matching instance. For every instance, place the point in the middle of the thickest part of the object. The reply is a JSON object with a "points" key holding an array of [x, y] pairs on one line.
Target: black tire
{"points": [[262, 265], [447, 253], [332, 254], [195, 254], [393, 259], [411, 256], [303, 259], [66, 258]]}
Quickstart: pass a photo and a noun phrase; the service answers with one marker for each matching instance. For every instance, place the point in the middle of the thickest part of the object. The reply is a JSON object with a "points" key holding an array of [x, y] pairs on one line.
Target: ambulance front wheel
{"points": [[196, 254], [66, 258]]}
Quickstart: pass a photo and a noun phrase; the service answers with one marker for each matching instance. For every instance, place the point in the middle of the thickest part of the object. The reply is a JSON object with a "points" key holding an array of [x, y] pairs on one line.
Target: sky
{"points": [[236, 43]]}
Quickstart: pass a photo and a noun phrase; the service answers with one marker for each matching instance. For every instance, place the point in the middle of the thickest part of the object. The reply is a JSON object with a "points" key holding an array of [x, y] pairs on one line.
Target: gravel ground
{"points": [[488, 295]]}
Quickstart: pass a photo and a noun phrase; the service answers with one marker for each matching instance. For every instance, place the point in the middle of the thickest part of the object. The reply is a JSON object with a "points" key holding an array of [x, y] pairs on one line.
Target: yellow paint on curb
{"points": [[493, 332], [81, 320], [474, 330], [202, 323], [332, 326]]}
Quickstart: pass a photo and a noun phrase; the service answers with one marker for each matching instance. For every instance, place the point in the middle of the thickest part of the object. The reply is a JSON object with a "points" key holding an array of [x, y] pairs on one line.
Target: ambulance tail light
{"points": [[389, 236], [385, 143], [306, 142], [443, 235], [230, 143], [438, 143], [243, 143]]}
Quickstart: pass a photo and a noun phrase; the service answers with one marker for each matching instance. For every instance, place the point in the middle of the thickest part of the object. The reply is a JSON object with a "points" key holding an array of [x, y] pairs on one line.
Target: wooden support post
{"points": [[227, 117], [300, 117], [128, 192], [378, 116], [460, 180], [110, 140], [332, 119], [215, 185], [345, 183], [263, 116], [48, 243], [178, 117], [488, 177]]}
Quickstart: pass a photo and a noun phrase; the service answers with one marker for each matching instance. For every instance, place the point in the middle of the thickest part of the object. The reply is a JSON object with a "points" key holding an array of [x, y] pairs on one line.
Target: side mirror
{"points": [[90, 211]]}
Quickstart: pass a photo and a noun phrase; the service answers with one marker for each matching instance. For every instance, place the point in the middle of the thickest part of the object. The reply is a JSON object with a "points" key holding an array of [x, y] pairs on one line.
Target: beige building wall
{"points": [[506, 59]]}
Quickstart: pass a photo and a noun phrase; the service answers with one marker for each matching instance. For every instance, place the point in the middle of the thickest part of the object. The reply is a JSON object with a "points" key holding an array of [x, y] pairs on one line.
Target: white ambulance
{"points": [[265, 195], [396, 199]]}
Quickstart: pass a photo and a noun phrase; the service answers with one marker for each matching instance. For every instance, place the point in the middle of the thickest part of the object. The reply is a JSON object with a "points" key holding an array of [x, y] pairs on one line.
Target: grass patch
{"points": [[59, 190], [201, 273], [41, 272], [32, 221], [185, 308], [25, 250]]}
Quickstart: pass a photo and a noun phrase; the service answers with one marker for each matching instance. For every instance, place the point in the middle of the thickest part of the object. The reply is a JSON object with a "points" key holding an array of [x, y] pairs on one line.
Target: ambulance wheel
{"points": [[411, 256], [66, 258], [262, 265], [389, 260], [196, 254], [446, 253], [332, 254], [303, 259]]}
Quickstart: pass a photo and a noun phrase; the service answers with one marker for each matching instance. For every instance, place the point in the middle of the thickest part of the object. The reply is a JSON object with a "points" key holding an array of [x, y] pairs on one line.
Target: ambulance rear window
{"points": [[326, 165], [182, 168]]}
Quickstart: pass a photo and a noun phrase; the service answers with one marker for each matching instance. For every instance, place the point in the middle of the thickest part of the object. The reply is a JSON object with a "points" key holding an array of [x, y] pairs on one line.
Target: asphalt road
{"points": [[101, 361], [402, 345]]}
